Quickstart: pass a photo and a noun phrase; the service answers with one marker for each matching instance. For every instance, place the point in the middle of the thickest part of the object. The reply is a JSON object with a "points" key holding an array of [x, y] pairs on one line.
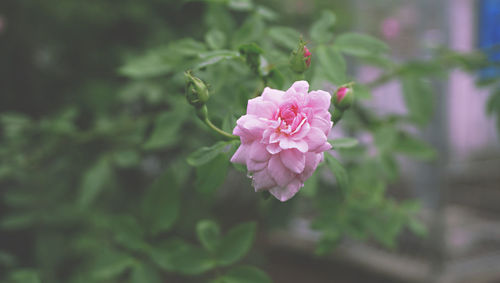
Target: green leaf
{"points": [[213, 57], [165, 132], [419, 100], [284, 36], [322, 29], [206, 154], [209, 234], [24, 276], [180, 256], [143, 273], [343, 143], [161, 203], [212, 174], [149, 65], [360, 44], [111, 264], [414, 147], [236, 243], [244, 274], [240, 5], [338, 171], [331, 66], [94, 181], [275, 79], [215, 39], [251, 31], [361, 91]]}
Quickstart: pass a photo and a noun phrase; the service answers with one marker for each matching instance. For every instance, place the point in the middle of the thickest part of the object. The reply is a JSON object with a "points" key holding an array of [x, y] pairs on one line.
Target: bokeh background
{"points": [[73, 118]]}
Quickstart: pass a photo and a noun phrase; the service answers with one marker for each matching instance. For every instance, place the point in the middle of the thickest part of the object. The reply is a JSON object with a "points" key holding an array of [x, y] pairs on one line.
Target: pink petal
{"points": [[312, 161], [300, 87], [261, 180], [281, 175], [315, 139], [287, 143], [273, 95], [293, 160], [254, 166], [319, 99], [322, 124], [258, 152], [273, 148], [261, 108], [240, 156], [286, 193]]}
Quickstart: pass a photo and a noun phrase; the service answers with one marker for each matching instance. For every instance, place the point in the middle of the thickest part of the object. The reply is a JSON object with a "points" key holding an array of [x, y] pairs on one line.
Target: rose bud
{"points": [[307, 54], [343, 98], [300, 60], [196, 91]]}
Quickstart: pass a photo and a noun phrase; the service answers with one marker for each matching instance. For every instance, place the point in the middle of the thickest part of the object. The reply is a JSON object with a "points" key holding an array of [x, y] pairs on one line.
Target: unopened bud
{"points": [[343, 98], [307, 55], [300, 60], [196, 91]]}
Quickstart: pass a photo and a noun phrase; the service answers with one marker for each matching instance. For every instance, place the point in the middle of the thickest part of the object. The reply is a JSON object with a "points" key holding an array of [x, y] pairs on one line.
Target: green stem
{"points": [[218, 130]]}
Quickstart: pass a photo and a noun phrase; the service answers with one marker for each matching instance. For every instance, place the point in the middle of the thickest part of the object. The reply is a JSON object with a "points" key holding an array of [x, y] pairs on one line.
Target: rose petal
{"points": [[240, 156], [315, 139], [319, 100], [287, 143], [281, 175], [273, 95], [258, 152], [293, 160], [261, 180], [286, 193], [261, 108], [312, 161], [273, 148]]}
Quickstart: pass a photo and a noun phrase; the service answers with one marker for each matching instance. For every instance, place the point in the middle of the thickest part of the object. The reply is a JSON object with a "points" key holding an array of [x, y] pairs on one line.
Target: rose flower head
{"points": [[283, 137]]}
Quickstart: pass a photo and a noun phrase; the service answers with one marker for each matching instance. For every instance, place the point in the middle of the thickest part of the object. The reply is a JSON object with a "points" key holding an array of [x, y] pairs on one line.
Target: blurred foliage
{"points": [[108, 176]]}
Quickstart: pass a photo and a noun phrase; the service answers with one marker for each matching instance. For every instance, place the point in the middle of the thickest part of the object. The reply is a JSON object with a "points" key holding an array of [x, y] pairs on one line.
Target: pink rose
{"points": [[307, 54], [283, 137]]}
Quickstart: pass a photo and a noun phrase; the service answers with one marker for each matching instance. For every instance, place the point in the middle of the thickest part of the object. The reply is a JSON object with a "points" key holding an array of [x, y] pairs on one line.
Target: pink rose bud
{"points": [[283, 137], [300, 59], [343, 98], [307, 54]]}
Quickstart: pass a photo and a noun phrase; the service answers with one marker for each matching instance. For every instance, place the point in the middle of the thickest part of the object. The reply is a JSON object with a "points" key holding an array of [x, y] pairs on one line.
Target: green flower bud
{"points": [[196, 91], [300, 60], [343, 97]]}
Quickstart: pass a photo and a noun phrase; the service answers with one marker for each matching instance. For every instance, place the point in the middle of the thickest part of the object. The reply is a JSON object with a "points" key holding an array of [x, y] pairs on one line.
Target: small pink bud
{"points": [[341, 92], [307, 54], [343, 97]]}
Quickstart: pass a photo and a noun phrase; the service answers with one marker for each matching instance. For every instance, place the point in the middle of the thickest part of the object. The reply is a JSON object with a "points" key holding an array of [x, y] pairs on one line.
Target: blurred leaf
{"points": [[414, 147], [240, 5], [94, 181], [229, 123], [208, 234], [180, 256], [24, 276], [161, 203], [389, 166], [212, 174], [331, 66], [322, 30], [275, 79], [419, 100], [244, 274], [215, 39], [149, 65], [206, 154], [236, 243], [126, 158], [362, 91], [165, 132], [284, 37], [343, 143], [360, 44], [18, 220], [337, 170], [6, 259], [311, 185], [213, 57], [251, 30], [385, 137], [110, 264], [142, 273]]}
